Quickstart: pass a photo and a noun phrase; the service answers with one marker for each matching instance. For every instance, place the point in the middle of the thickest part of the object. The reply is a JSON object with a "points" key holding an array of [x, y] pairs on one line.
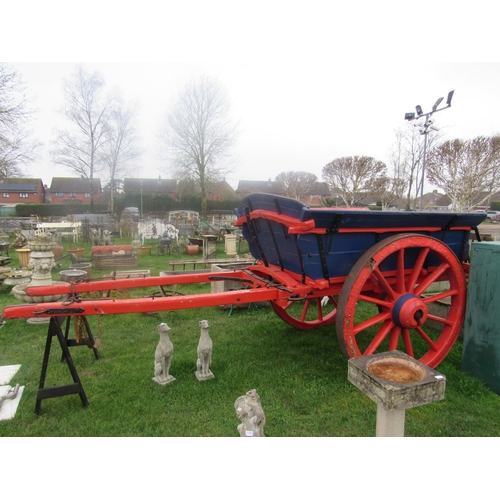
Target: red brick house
{"points": [[18, 190], [73, 190], [220, 191]]}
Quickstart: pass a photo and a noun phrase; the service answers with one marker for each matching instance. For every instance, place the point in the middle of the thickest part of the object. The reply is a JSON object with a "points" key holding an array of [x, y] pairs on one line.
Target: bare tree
{"points": [[121, 145], [198, 135], [79, 147], [388, 191], [16, 146], [468, 171], [353, 177], [296, 184], [406, 159]]}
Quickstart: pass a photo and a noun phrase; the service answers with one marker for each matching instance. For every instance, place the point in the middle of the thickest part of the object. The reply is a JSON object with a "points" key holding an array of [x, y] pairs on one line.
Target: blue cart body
{"points": [[332, 240]]}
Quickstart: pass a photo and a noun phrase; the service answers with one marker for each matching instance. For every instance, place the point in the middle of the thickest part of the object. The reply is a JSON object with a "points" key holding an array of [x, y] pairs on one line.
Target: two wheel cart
{"points": [[374, 274]]}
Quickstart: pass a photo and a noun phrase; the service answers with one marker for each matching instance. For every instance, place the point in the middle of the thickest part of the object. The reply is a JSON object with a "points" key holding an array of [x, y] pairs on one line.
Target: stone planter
{"points": [[23, 255], [77, 251], [86, 267], [144, 250], [192, 249], [19, 292], [72, 275], [14, 278], [58, 252]]}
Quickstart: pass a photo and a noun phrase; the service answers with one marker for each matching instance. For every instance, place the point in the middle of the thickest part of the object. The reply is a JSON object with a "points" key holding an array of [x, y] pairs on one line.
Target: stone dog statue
{"points": [[163, 356], [249, 411], [106, 235], [95, 238], [204, 360]]}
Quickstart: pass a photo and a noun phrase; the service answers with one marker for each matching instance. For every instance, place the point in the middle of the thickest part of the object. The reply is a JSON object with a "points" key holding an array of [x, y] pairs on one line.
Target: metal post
{"points": [[142, 213], [428, 126], [426, 133]]}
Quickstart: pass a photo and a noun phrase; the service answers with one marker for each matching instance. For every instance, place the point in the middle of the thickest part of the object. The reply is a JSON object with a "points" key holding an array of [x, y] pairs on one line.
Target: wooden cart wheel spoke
{"points": [[395, 271], [405, 333], [431, 279], [300, 315], [379, 338], [444, 321], [400, 276], [439, 296], [383, 282], [394, 338], [417, 269], [319, 309], [375, 300], [305, 309], [371, 322], [426, 338]]}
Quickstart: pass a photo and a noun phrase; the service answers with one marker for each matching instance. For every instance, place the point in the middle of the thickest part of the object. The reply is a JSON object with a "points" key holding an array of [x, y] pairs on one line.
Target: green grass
{"points": [[301, 377]]}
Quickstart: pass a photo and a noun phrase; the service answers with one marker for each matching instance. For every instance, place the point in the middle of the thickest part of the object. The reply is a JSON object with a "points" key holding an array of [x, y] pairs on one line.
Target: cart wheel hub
{"points": [[409, 311]]}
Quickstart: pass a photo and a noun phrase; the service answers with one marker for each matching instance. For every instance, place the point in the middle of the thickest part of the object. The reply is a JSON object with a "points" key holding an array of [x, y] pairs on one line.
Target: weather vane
{"points": [[426, 128]]}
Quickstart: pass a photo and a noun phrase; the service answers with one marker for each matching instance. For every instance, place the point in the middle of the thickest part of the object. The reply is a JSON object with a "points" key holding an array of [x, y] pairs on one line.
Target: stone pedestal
{"points": [[396, 382], [42, 262], [209, 246], [230, 245]]}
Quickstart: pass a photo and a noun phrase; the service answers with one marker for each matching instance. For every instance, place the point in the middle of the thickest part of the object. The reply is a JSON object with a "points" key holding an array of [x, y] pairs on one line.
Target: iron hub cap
{"points": [[409, 311]]}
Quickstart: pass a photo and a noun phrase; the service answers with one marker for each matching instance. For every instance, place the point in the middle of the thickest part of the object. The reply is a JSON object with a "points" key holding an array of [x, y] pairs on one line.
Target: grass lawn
{"points": [[301, 377]]}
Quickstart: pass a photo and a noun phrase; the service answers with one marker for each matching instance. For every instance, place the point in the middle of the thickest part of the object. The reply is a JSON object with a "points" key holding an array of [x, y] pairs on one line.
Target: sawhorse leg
{"points": [[63, 390]]}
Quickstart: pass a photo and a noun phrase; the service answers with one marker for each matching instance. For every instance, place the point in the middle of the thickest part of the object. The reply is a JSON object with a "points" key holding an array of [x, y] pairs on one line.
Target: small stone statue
{"points": [[249, 411], [106, 237], [163, 356], [21, 240], [95, 237], [204, 354]]}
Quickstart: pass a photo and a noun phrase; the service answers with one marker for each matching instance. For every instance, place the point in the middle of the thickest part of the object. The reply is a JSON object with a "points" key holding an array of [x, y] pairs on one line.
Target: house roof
{"points": [[319, 189], [19, 184], [73, 185], [445, 200], [150, 185]]}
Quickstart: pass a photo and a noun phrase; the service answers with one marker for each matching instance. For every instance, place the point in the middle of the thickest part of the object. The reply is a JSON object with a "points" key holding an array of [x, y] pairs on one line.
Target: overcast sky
{"points": [[292, 116], [307, 84]]}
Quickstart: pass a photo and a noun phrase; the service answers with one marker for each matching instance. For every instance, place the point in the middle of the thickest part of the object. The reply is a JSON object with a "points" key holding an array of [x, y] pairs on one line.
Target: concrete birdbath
{"points": [[396, 382]]}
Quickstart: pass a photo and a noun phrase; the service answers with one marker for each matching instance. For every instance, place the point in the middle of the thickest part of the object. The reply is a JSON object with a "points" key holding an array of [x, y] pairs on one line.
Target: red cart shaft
{"points": [[79, 307]]}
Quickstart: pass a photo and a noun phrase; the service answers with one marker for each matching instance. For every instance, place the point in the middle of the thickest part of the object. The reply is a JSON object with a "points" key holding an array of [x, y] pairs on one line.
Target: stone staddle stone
{"points": [[395, 380]]}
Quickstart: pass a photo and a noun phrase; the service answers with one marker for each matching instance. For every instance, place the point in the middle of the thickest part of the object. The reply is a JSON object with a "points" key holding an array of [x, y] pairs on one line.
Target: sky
{"points": [[307, 85], [291, 116]]}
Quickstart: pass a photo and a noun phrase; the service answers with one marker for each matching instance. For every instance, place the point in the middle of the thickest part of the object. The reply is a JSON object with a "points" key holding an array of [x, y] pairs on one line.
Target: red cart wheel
{"points": [[382, 306], [308, 313]]}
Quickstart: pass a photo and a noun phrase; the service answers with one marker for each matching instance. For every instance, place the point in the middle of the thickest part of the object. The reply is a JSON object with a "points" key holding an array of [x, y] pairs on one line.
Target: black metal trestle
{"points": [[55, 330]]}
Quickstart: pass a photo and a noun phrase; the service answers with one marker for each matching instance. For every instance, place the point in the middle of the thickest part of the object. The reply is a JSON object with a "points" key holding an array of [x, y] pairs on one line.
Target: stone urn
{"points": [[41, 262]]}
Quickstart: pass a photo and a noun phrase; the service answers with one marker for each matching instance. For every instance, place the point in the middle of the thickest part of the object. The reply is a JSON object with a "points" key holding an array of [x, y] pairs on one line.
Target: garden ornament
{"points": [[249, 411], [163, 356], [204, 353]]}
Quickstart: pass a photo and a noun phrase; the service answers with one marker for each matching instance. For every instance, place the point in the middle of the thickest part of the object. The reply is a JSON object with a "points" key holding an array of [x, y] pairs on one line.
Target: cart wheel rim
{"points": [[383, 306], [308, 313]]}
